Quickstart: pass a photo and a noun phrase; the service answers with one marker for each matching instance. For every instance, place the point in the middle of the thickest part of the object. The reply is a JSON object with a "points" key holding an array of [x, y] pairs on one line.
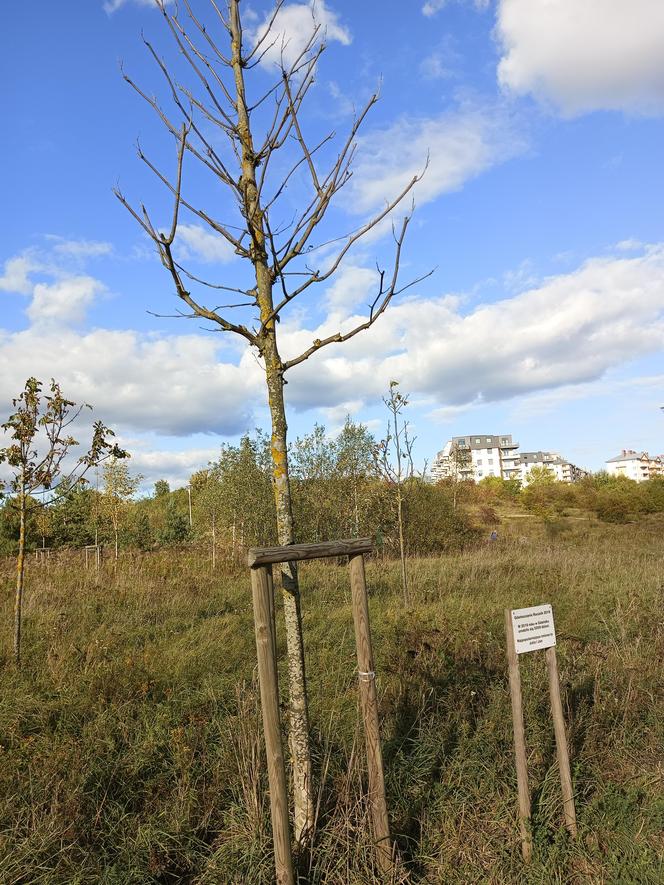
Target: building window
{"points": [[488, 439], [478, 441], [504, 442], [479, 462], [479, 473], [490, 460], [461, 442]]}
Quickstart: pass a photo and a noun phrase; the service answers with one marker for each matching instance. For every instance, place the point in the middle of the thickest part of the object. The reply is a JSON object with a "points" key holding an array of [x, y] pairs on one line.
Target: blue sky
{"points": [[541, 212]]}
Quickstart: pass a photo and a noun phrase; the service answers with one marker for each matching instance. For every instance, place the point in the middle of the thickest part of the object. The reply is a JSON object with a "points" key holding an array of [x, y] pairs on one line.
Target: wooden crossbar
{"points": [[259, 556]]}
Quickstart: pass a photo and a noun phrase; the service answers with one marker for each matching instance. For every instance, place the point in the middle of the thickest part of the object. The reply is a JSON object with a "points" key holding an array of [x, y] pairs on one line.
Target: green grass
{"points": [[131, 747]]}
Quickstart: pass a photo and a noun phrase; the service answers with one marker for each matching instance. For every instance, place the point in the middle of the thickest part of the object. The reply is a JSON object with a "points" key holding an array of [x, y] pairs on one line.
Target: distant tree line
{"points": [[610, 498], [338, 492]]}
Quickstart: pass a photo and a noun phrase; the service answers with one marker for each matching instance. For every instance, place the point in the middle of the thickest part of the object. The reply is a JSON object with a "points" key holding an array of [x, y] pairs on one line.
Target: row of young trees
{"points": [[339, 489], [347, 486]]}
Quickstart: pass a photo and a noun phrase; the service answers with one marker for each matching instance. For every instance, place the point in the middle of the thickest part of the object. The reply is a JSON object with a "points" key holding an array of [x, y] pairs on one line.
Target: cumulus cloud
{"points": [[173, 466], [293, 27], [64, 301], [174, 385], [196, 242], [351, 286], [562, 331], [584, 56], [16, 274], [569, 329], [459, 144], [60, 259]]}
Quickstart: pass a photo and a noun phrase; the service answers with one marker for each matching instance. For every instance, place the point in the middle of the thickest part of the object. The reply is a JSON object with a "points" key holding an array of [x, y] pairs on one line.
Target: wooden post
{"points": [[369, 704], [519, 740], [561, 740], [273, 618], [261, 585]]}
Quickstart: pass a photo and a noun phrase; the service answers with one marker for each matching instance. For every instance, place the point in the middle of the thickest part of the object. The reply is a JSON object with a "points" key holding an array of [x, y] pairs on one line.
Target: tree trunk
{"points": [[252, 211], [298, 708], [20, 572]]}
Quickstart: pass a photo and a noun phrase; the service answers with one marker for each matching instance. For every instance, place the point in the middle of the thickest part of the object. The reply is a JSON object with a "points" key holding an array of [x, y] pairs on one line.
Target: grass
{"points": [[131, 747]]}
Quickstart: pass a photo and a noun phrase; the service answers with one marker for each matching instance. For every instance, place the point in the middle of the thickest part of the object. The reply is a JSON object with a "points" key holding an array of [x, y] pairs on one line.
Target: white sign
{"points": [[533, 628]]}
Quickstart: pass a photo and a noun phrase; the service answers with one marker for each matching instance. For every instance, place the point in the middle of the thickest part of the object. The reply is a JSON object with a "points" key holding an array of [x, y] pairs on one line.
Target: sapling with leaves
{"points": [[394, 463], [249, 137], [118, 487], [38, 459]]}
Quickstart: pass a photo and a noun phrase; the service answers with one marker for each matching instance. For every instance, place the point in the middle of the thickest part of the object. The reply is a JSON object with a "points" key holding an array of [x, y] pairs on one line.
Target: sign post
{"points": [[526, 630]]}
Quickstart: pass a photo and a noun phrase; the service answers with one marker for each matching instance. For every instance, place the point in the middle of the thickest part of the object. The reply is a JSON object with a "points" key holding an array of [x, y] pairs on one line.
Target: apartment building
{"points": [[562, 469], [478, 456], [638, 466]]}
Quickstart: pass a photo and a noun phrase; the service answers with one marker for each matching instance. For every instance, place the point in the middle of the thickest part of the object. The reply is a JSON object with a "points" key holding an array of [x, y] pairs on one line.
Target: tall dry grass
{"points": [[131, 750]]}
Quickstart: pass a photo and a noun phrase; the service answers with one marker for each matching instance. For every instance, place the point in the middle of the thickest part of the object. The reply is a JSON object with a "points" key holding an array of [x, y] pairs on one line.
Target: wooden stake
{"points": [[561, 740], [273, 616], [519, 740], [369, 705], [262, 591]]}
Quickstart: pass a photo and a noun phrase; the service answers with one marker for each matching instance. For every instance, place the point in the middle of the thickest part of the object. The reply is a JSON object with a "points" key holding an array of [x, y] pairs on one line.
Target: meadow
{"points": [[131, 746]]}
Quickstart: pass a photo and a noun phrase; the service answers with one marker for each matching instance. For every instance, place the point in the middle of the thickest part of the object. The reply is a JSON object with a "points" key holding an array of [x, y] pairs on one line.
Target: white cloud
{"points": [[433, 67], [351, 286], [16, 276], [630, 245], [433, 7], [569, 329], [194, 241], [111, 6], [171, 385], [79, 249], [566, 330], [174, 466], [293, 27], [584, 56], [57, 260], [460, 145], [64, 301]]}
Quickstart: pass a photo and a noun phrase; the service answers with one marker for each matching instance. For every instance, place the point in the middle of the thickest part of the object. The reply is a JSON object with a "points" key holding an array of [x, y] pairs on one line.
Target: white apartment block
{"points": [[478, 456], [638, 466]]}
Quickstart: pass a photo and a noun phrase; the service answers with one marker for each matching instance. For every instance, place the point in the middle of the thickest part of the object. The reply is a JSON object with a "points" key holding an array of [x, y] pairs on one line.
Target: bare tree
{"points": [[265, 149], [394, 462], [41, 441]]}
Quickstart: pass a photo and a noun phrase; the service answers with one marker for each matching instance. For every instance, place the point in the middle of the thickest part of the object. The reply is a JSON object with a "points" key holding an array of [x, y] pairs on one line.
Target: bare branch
{"points": [[300, 138], [176, 30], [247, 292], [215, 225], [275, 12], [178, 187], [376, 308], [199, 310]]}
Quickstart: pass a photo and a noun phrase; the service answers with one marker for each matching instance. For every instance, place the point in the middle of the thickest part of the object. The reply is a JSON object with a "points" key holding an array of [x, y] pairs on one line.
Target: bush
{"points": [[611, 507]]}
